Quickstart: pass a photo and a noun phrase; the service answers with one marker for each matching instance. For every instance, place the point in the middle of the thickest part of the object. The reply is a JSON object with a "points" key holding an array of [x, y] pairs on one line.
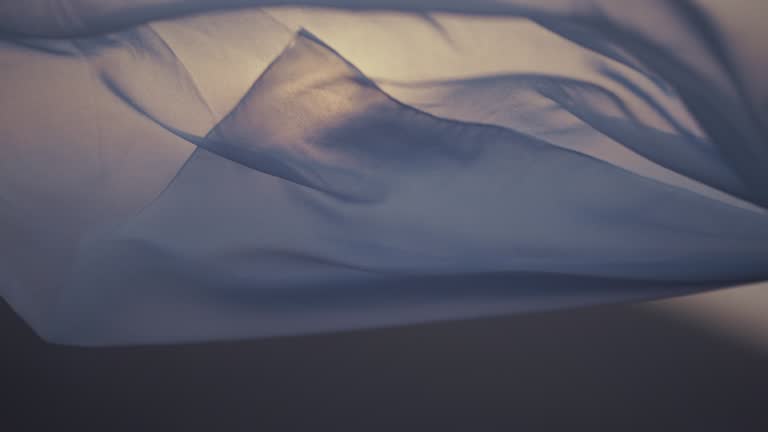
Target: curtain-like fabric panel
{"points": [[176, 171]]}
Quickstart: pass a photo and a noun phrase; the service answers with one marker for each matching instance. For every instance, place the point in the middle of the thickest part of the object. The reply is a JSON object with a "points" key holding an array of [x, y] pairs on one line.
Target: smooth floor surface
{"points": [[621, 367]]}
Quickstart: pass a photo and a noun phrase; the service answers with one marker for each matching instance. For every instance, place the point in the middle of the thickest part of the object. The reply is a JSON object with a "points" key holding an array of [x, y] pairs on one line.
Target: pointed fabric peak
{"points": [[316, 120], [320, 203]]}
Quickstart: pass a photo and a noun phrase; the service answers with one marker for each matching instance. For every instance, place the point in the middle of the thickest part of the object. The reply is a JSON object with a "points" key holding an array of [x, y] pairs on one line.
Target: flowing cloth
{"points": [[193, 170]]}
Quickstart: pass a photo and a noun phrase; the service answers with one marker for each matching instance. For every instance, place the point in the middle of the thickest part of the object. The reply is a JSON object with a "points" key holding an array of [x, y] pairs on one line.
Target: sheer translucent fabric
{"points": [[193, 170]]}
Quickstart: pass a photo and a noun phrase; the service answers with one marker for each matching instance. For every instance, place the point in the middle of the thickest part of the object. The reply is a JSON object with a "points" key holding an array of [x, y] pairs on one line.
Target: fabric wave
{"points": [[245, 172]]}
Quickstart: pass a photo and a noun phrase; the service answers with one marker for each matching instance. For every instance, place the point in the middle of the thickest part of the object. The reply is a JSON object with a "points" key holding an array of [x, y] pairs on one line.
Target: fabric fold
{"points": [[259, 173]]}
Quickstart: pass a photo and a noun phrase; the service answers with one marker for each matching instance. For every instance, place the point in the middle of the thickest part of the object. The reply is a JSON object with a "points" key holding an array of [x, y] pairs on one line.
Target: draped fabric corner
{"points": [[179, 170]]}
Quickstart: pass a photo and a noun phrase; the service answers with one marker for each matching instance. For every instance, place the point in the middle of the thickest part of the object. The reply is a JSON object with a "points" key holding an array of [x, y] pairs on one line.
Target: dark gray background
{"points": [[617, 367]]}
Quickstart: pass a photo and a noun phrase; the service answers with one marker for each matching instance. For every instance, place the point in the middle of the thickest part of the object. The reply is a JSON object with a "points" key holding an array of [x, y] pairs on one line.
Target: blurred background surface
{"points": [[691, 363]]}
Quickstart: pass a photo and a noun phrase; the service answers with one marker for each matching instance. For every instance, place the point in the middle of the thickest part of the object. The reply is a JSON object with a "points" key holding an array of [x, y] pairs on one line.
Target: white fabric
{"points": [[245, 172]]}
